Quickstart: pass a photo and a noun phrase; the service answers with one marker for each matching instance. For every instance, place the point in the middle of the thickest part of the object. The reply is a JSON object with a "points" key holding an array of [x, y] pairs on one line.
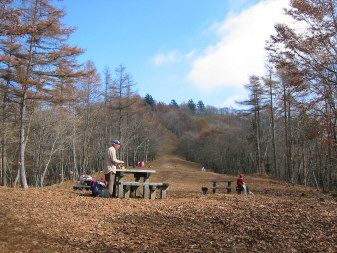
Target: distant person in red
{"points": [[240, 182], [242, 185]]}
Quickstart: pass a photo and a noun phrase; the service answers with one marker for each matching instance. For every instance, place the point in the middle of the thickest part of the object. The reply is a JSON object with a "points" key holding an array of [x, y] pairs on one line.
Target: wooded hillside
{"points": [[58, 115]]}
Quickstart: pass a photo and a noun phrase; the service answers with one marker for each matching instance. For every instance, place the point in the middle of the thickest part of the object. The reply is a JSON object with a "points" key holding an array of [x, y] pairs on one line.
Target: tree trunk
{"points": [[4, 128], [23, 142], [4, 160], [52, 151], [273, 128], [4, 142], [76, 173], [304, 164], [61, 166], [16, 180], [290, 141], [23, 105], [287, 164], [258, 136]]}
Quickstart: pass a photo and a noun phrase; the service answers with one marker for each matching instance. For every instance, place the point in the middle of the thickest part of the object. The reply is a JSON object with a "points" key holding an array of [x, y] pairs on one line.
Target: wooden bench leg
{"points": [[229, 189], [146, 188], [163, 194], [137, 193], [163, 189], [126, 191], [120, 191], [134, 191], [146, 192], [153, 191]]}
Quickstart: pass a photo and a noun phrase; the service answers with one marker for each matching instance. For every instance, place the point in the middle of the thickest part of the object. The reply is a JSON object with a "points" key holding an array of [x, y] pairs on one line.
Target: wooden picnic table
{"points": [[123, 189], [142, 179], [228, 187]]}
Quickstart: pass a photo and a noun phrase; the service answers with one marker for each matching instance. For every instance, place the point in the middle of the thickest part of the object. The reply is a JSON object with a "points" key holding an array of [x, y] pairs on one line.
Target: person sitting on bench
{"points": [[241, 185]]}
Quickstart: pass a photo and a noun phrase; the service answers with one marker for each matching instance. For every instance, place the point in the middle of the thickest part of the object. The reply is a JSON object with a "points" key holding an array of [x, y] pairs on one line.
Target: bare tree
{"points": [[88, 94], [270, 83], [256, 101], [42, 47]]}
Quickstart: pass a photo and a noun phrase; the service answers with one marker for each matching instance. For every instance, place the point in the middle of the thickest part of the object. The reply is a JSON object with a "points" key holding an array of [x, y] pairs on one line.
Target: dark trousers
{"points": [[111, 177]]}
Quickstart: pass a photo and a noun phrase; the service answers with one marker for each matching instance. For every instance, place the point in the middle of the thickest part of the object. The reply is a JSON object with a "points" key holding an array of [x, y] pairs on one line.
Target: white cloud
{"points": [[190, 54], [174, 56], [171, 57], [241, 52]]}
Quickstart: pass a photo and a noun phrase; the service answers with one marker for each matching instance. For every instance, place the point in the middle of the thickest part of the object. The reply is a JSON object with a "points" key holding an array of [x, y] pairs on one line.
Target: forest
{"points": [[59, 115]]}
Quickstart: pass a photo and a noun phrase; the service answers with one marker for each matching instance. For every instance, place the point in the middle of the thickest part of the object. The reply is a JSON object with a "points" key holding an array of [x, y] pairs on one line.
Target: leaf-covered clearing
{"points": [[278, 217]]}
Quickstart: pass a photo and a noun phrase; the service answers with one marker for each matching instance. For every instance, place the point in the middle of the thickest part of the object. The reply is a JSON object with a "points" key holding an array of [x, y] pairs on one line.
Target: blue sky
{"points": [[177, 49]]}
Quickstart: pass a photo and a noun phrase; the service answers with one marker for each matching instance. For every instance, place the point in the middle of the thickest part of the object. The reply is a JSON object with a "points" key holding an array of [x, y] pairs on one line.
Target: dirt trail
{"points": [[278, 217]]}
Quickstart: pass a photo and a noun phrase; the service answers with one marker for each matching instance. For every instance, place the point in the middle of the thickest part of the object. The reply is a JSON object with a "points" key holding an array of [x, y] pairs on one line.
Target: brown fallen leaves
{"points": [[277, 218]]}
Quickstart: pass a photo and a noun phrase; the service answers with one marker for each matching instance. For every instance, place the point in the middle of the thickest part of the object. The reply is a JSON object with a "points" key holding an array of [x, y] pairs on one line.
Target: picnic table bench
{"points": [[85, 185], [126, 188], [132, 189], [82, 187], [228, 187]]}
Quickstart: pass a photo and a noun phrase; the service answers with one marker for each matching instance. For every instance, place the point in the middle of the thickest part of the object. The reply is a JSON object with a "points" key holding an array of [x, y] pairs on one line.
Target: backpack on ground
{"points": [[99, 188]]}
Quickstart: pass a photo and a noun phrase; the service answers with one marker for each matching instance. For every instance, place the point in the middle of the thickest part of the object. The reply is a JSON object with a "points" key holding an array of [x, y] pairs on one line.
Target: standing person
{"points": [[110, 163], [242, 185]]}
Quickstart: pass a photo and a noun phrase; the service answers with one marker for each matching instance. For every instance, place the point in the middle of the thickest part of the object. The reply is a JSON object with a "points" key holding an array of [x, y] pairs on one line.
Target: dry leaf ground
{"points": [[277, 218]]}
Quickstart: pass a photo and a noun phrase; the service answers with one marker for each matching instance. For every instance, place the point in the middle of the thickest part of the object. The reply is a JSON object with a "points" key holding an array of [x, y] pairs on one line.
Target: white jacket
{"points": [[110, 160]]}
